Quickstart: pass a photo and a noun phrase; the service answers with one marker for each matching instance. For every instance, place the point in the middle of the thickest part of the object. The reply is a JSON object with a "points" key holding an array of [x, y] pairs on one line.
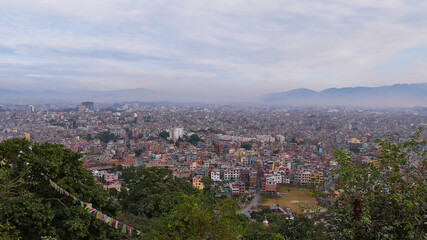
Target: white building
{"points": [[232, 174], [280, 138], [176, 133], [286, 179], [216, 175], [99, 174], [275, 179]]}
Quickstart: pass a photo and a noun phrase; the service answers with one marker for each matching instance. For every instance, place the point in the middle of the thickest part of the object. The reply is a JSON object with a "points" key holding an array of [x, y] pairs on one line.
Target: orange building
{"points": [[197, 182]]}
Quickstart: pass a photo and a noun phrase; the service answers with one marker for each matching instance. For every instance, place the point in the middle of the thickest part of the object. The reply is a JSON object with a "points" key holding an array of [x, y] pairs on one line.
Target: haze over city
{"points": [[216, 50], [222, 119]]}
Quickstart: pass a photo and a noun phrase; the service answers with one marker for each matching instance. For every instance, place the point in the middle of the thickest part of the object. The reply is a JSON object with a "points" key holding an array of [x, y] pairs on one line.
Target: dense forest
{"points": [[382, 200]]}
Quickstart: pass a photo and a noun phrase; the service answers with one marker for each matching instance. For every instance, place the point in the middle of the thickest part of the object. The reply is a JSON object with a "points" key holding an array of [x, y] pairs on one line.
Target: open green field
{"points": [[294, 198]]}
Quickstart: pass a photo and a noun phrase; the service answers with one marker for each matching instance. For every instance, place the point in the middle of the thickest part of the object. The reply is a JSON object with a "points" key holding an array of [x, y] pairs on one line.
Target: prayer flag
{"points": [[99, 215], [108, 220]]}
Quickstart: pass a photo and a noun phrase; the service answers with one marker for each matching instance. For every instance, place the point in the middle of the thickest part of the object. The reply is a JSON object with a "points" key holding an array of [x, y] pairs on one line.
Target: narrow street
{"points": [[256, 199], [253, 203]]}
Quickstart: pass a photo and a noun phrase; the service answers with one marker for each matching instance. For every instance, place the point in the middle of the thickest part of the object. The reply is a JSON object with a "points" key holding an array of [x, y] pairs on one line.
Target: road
{"points": [[253, 203], [256, 199]]}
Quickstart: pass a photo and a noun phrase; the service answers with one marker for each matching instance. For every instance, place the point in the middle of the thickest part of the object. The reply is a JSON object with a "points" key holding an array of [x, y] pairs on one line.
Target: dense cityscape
{"points": [[213, 120], [239, 147]]}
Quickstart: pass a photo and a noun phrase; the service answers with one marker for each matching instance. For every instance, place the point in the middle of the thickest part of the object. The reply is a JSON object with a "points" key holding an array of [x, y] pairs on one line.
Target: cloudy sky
{"points": [[215, 48]]}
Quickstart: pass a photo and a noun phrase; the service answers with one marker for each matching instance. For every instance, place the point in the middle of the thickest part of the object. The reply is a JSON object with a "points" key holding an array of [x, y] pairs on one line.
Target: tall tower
{"points": [[89, 105]]}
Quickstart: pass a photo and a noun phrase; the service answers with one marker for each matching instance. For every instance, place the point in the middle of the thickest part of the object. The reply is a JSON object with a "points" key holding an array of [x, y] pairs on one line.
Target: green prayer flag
{"points": [[124, 228]]}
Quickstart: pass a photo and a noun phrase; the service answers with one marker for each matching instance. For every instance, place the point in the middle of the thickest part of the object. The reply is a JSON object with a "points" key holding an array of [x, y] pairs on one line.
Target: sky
{"points": [[211, 48]]}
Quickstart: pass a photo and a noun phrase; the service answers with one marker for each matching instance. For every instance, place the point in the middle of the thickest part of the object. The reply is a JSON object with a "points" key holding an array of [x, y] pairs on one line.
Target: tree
{"points": [[113, 192], [128, 133], [129, 174], [32, 209], [164, 134], [88, 137], [381, 200], [298, 228], [152, 194], [138, 152], [119, 167], [207, 185], [194, 218], [106, 137], [194, 139], [246, 145]]}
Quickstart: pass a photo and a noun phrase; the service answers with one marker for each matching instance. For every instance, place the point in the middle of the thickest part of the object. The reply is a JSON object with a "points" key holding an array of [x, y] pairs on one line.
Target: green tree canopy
{"points": [[384, 199], [208, 184], [33, 209], [129, 174], [152, 194], [246, 145], [164, 134], [106, 137], [194, 217], [194, 139]]}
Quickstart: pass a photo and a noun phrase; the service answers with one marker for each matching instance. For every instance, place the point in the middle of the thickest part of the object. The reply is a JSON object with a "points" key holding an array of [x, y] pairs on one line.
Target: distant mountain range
{"points": [[398, 95]]}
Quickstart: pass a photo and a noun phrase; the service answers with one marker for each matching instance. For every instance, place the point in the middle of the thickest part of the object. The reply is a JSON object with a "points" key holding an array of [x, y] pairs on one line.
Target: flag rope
{"points": [[93, 211]]}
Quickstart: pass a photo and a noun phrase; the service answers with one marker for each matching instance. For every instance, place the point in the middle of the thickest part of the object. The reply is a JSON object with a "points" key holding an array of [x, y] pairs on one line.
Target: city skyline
{"points": [[220, 49]]}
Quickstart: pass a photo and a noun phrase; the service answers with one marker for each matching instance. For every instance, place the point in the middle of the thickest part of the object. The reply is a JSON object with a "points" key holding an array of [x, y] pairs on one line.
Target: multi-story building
{"points": [[252, 178], [88, 105], [176, 133], [268, 187], [81, 108], [232, 174], [317, 177], [244, 176], [245, 161], [268, 184], [287, 179], [111, 177], [235, 188], [216, 175], [242, 187], [275, 179], [197, 182], [302, 177]]}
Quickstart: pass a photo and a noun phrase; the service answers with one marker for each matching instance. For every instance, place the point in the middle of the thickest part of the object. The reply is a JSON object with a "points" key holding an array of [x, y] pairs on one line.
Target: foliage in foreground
{"points": [[379, 200], [31, 209], [384, 199]]}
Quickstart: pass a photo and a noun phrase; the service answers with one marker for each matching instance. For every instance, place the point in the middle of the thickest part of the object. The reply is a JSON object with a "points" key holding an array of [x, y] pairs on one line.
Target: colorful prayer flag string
{"points": [[94, 212]]}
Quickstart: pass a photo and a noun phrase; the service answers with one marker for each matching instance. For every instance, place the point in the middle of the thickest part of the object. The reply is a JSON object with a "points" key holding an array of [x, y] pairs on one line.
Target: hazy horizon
{"points": [[219, 49]]}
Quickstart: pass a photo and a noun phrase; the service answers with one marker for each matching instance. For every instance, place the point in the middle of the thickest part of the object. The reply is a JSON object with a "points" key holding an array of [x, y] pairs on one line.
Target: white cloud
{"points": [[245, 47]]}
